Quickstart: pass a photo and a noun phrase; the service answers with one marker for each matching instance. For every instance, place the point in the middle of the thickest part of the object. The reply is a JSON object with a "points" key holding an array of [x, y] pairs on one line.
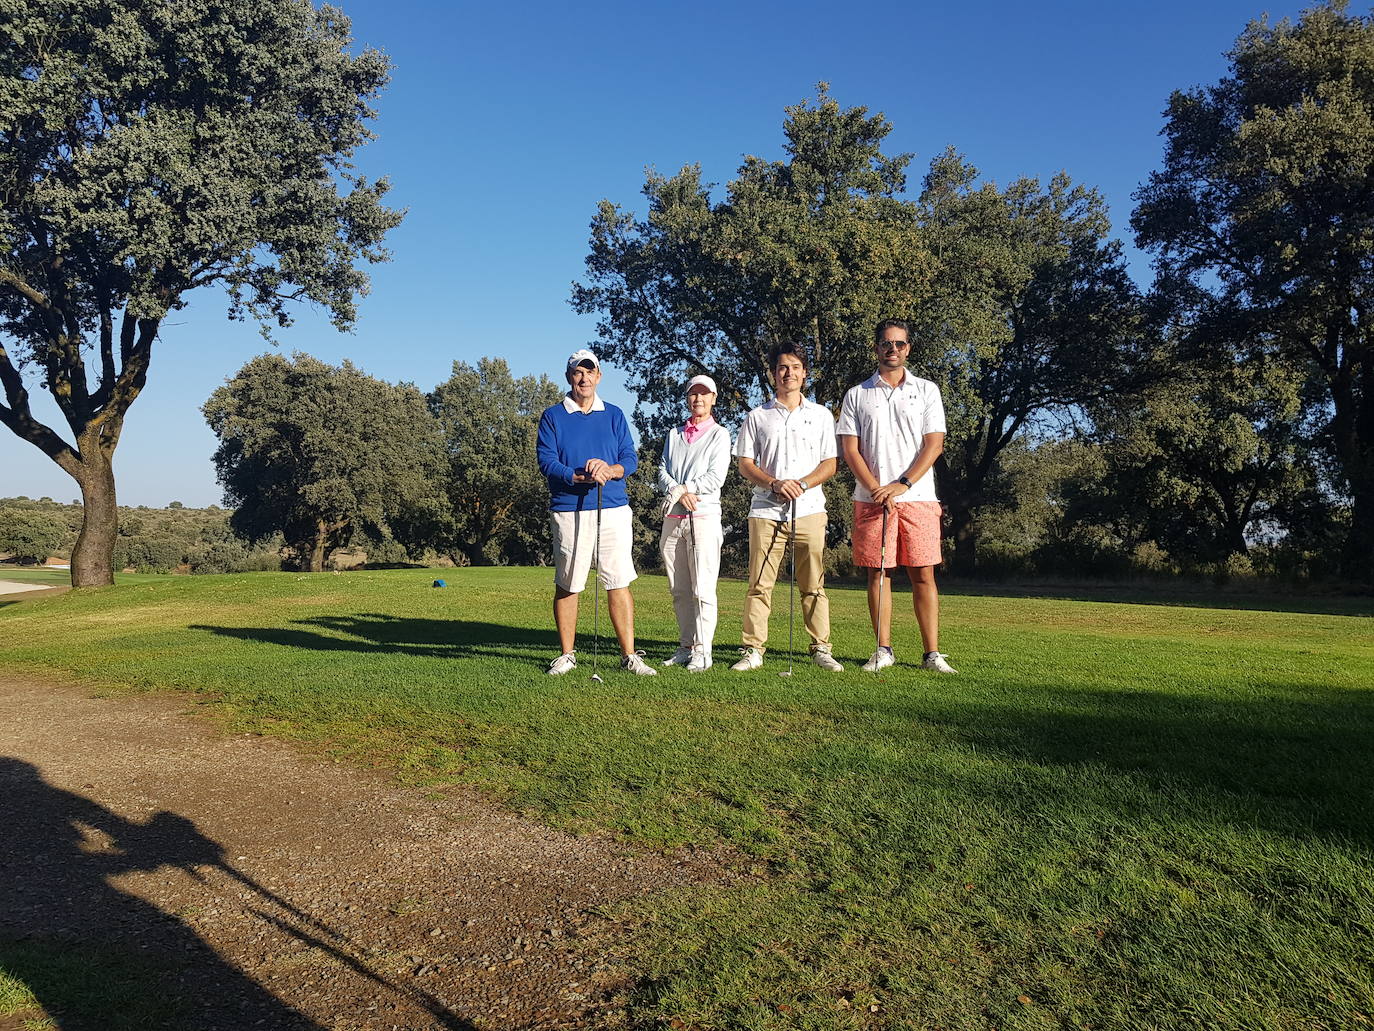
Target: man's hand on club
{"points": [[789, 490], [689, 501], [599, 472], [888, 493]]}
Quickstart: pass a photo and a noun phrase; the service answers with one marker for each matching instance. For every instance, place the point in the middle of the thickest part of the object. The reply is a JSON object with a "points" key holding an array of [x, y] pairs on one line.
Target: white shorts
{"points": [[574, 537]]}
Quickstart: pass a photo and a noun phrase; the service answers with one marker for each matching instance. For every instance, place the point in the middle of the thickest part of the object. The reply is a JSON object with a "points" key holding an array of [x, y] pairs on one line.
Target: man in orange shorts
{"points": [[891, 430]]}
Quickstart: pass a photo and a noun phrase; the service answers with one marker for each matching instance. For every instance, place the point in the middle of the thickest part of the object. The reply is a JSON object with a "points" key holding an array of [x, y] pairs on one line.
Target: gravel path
{"points": [[261, 888]]}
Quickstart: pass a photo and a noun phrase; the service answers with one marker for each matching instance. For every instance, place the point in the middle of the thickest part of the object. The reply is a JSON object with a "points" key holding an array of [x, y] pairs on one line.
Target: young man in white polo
{"points": [[891, 431], [786, 449], [584, 443]]}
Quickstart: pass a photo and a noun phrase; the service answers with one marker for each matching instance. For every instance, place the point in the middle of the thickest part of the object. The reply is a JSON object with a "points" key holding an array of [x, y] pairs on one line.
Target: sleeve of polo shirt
{"points": [[933, 420], [848, 425], [625, 446], [744, 443], [828, 446], [546, 450], [717, 463]]}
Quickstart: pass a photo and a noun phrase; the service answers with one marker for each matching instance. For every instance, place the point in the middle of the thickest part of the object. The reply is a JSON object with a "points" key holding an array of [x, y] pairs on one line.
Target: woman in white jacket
{"points": [[696, 459]]}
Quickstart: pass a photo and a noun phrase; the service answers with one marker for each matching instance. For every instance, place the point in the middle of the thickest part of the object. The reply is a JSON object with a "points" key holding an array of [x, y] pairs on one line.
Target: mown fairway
{"points": [[1117, 816]]}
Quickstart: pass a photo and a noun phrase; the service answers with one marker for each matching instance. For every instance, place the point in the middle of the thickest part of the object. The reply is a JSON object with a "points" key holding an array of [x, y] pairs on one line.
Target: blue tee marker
{"points": [[440, 583]]}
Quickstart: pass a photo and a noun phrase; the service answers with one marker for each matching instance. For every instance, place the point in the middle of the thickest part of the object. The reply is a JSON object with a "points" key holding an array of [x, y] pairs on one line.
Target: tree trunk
{"points": [[93, 555], [1358, 560], [964, 561], [319, 547]]}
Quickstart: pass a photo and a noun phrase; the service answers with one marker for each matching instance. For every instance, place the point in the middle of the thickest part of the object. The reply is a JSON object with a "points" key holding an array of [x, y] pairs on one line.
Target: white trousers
{"points": [[691, 556]]}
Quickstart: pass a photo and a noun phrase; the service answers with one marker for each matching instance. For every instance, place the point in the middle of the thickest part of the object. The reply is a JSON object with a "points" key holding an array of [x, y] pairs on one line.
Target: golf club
{"points": [[882, 573], [696, 598], [791, 588], [596, 591]]}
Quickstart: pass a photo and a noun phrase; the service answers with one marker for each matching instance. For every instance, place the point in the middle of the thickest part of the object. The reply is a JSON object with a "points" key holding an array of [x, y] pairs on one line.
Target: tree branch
{"points": [[19, 418]]}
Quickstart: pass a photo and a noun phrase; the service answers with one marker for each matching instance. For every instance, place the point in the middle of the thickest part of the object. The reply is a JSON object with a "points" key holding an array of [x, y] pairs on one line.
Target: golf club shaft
{"points": [[696, 598], [791, 587], [882, 575], [596, 587]]}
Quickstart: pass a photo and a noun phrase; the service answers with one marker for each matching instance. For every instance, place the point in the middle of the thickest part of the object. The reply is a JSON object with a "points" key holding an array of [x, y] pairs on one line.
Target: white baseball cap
{"points": [[582, 355], [702, 381]]}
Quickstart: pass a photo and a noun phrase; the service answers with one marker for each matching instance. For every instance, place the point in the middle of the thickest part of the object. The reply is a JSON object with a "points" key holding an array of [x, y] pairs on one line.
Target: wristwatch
{"points": [[903, 480], [804, 485]]}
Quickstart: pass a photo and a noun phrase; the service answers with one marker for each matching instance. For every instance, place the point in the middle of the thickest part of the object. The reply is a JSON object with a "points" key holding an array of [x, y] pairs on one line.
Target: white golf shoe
{"points": [[634, 663], [751, 658], [821, 656], [880, 659], [681, 657], [565, 663], [936, 661], [700, 661]]}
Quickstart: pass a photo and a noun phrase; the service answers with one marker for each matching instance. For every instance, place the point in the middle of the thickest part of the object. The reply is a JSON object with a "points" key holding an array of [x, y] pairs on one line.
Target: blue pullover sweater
{"points": [[568, 439]]}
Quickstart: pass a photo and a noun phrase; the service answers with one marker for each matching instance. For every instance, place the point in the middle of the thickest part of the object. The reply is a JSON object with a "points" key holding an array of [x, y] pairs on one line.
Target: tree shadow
{"points": [[1295, 761], [379, 633], [100, 959], [1272, 599]]}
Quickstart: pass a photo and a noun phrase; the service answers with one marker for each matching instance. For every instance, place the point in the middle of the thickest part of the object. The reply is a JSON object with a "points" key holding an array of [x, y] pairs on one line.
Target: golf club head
{"points": [[785, 673], [597, 678]]}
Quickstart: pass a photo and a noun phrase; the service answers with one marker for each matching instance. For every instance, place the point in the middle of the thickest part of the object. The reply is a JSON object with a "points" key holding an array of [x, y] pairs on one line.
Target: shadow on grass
{"points": [[378, 633], [98, 959], [1181, 596], [1298, 763]]}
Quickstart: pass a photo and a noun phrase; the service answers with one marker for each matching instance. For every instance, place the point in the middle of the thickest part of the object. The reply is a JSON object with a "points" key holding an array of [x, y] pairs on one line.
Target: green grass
{"points": [[1118, 816], [35, 575], [114, 989], [63, 577]]}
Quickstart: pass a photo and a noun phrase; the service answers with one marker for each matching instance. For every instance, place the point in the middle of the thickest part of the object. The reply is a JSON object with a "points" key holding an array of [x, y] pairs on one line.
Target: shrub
{"points": [[31, 536]]}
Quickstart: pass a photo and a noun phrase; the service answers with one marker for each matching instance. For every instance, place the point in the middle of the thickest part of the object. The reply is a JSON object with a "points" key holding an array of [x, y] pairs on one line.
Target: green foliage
{"points": [[1031, 314], [156, 540], [318, 453], [1206, 460], [814, 249], [1144, 815], [150, 149], [1261, 221], [497, 500], [1021, 303], [31, 536]]}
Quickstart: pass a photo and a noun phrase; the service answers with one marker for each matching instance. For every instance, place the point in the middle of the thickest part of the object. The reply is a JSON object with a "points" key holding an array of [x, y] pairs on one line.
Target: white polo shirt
{"points": [[891, 424], [787, 445]]}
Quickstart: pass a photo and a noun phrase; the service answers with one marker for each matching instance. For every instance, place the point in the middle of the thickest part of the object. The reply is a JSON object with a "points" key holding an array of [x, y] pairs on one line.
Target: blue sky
{"points": [[505, 124]]}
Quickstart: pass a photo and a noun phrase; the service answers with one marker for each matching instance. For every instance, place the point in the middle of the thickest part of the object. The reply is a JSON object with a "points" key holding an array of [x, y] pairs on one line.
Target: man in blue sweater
{"points": [[584, 443]]}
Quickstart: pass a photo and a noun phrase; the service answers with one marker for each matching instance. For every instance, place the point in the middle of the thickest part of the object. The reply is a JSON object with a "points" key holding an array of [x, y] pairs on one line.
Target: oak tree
{"points": [[1262, 217], [1031, 315], [497, 502], [813, 249], [318, 453], [149, 148]]}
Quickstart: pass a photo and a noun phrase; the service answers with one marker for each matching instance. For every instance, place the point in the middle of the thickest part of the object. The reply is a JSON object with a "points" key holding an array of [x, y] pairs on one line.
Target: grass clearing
{"points": [[36, 575], [81, 987], [1117, 816]]}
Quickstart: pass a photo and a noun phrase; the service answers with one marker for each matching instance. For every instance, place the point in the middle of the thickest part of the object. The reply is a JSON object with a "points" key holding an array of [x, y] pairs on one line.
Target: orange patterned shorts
{"points": [[913, 534]]}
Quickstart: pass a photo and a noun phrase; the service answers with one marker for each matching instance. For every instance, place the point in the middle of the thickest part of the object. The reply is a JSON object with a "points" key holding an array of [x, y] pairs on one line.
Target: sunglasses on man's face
{"points": [[893, 345]]}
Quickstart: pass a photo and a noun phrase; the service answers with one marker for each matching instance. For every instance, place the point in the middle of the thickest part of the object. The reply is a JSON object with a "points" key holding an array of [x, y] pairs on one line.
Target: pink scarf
{"points": [[695, 429]]}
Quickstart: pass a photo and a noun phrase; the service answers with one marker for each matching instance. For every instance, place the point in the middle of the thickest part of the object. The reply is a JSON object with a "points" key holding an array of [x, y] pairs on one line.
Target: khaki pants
{"points": [[768, 540]]}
